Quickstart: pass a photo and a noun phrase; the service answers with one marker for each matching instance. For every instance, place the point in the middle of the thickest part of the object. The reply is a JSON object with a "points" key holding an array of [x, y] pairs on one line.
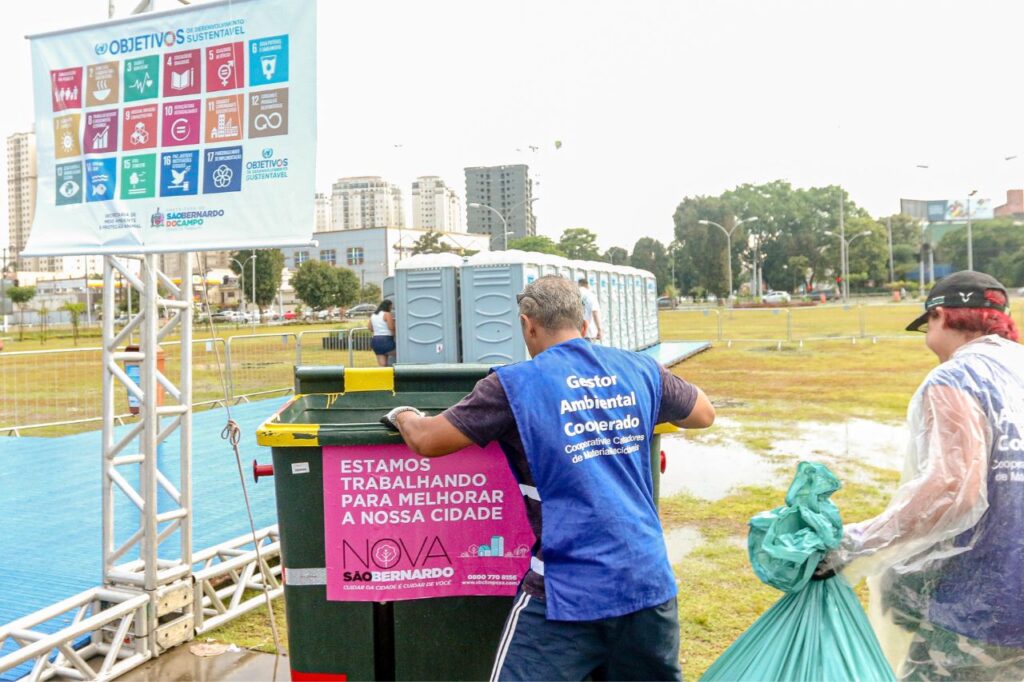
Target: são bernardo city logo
{"points": [[183, 219]]}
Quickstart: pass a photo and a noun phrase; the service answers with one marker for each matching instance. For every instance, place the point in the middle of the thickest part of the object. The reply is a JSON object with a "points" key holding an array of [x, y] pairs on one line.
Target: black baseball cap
{"points": [[964, 289]]}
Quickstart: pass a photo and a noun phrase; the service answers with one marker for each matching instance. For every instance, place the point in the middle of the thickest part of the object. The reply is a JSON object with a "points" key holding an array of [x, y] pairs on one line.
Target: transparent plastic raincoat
{"points": [[946, 557]]}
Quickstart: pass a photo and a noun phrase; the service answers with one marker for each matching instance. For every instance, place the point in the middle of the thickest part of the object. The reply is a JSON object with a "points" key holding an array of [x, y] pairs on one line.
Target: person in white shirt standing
{"points": [[591, 311], [382, 324]]}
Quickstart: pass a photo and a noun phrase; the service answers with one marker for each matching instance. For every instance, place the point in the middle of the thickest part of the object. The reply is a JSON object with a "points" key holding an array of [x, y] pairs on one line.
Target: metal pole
{"points": [[842, 248], [151, 418], [257, 311], [892, 272], [728, 265], [3, 293], [185, 427], [970, 240], [920, 280]]}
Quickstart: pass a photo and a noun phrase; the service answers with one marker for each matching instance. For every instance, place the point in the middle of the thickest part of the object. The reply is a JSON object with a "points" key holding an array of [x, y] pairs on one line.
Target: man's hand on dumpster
{"points": [[390, 420]]}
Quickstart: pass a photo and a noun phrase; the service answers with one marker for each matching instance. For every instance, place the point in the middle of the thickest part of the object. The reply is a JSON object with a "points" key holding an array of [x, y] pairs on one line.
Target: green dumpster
{"points": [[338, 626]]}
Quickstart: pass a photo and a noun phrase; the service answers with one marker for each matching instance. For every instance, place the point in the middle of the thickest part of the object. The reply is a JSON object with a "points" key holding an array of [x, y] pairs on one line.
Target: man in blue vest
{"points": [[947, 554], [575, 423]]}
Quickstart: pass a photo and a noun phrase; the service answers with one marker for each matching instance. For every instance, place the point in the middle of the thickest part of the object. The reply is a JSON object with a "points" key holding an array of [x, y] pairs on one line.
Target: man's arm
{"points": [[430, 436], [701, 416], [597, 322], [481, 417]]}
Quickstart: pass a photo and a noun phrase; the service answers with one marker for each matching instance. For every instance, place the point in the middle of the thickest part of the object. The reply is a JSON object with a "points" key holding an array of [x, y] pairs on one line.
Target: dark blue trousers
{"points": [[643, 645]]}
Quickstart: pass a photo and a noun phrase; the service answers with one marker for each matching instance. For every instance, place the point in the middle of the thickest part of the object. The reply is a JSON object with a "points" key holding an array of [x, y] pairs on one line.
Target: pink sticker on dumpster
{"points": [[400, 526]]}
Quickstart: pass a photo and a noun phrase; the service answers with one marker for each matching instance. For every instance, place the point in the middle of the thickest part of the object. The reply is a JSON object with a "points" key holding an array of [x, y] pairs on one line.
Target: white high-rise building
{"points": [[365, 202], [323, 212], [21, 202], [435, 206]]}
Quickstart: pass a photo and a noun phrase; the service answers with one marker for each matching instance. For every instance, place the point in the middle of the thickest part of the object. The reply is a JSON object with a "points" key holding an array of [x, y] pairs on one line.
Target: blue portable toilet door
{"points": [[490, 316], [427, 309]]}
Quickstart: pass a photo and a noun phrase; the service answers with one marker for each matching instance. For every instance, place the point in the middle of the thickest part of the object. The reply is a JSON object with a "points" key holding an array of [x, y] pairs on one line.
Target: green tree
{"points": [[998, 249], [537, 244], [370, 293], [650, 254], [430, 242], [616, 255], [44, 322], [74, 309], [579, 243], [269, 264], [320, 285], [791, 222], [315, 284], [20, 296], [347, 287]]}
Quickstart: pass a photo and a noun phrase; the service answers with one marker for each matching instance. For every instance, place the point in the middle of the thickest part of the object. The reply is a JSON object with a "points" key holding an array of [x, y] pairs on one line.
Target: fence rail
{"points": [[60, 390]]}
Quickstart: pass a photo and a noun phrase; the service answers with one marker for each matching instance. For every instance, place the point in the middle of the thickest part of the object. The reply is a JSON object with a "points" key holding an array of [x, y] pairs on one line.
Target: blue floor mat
{"points": [[50, 503], [670, 353]]}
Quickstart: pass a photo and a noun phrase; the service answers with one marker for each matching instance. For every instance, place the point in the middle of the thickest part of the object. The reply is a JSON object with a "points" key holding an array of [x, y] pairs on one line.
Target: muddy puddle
{"points": [[711, 470], [681, 541]]}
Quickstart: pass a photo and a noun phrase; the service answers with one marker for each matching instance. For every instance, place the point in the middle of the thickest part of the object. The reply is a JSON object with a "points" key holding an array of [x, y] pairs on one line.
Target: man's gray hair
{"points": [[553, 302]]}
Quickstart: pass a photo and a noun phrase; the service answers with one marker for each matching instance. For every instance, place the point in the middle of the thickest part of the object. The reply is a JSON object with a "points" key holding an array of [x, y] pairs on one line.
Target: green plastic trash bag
{"points": [[786, 544], [818, 630]]}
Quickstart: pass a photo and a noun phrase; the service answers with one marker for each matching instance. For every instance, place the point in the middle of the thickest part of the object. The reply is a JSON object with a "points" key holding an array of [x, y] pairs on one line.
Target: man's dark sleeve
{"points": [[677, 397], [484, 415]]}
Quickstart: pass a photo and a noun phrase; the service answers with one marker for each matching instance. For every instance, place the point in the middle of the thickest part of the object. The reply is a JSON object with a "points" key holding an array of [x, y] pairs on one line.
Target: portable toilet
{"points": [[651, 299], [597, 274], [581, 269], [548, 262], [630, 276], [489, 282], [427, 309], [640, 308], [565, 269], [387, 289], [615, 304]]}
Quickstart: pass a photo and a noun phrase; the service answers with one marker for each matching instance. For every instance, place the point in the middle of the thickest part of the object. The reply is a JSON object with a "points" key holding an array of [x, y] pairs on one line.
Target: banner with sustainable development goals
{"points": [[177, 131]]}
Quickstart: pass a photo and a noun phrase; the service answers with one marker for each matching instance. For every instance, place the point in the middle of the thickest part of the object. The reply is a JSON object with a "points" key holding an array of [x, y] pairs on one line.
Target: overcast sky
{"points": [[652, 101]]}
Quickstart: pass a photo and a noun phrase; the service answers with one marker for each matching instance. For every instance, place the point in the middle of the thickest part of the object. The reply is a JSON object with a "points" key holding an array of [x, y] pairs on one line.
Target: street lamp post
{"points": [[504, 223], [241, 268], [844, 265], [728, 247], [970, 239]]}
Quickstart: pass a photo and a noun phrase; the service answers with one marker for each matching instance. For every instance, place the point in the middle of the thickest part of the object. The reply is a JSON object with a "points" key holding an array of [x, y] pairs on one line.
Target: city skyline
{"points": [[657, 101]]}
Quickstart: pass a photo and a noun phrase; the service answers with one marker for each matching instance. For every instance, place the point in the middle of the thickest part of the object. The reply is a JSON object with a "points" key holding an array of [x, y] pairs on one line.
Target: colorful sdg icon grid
{"points": [[112, 120]]}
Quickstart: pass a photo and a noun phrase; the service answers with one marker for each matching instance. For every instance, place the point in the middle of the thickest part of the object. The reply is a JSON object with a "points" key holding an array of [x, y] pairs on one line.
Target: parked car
{"points": [[290, 315], [666, 302], [235, 316], [361, 310], [776, 297]]}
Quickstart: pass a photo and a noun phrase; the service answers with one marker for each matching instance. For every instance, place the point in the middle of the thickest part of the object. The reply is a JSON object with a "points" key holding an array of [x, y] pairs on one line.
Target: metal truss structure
{"points": [[160, 540], [228, 571]]}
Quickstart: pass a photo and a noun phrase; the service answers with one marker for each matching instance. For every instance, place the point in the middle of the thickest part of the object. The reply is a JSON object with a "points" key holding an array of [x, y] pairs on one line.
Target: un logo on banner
{"points": [[268, 152]]}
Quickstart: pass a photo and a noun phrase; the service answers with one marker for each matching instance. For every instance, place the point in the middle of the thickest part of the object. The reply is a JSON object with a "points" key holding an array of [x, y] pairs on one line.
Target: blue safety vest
{"points": [[586, 415], [980, 593]]}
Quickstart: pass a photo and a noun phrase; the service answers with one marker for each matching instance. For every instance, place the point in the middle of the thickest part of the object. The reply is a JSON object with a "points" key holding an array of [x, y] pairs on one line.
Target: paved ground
{"points": [[181, 665]]}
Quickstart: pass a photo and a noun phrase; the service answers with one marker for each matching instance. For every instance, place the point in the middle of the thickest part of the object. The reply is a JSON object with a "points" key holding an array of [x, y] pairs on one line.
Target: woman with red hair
{"points": [[946, 557]]}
